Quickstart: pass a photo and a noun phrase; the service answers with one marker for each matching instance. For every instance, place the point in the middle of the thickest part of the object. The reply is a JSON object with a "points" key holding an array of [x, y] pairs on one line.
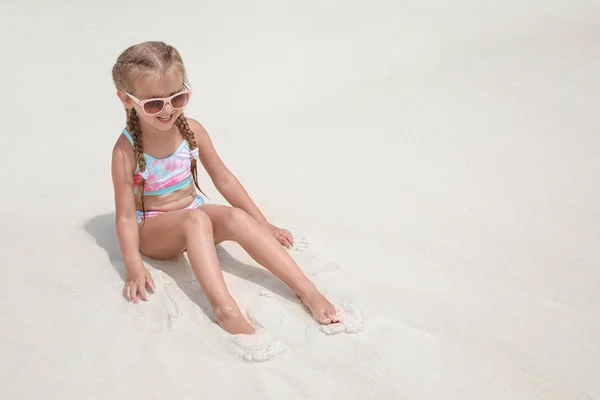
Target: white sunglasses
{"points": [[155, 106]]}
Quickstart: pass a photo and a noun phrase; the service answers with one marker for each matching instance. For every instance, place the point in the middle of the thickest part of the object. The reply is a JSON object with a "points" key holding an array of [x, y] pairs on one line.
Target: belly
{"points": [[169, 202]]}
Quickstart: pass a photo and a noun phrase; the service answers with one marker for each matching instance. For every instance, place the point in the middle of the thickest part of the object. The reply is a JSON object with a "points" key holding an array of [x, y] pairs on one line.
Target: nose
{"points": [[168, 108]]}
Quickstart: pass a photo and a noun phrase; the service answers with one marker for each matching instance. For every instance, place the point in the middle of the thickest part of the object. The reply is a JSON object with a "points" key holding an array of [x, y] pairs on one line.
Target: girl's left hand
{"points": [[282, 235]]}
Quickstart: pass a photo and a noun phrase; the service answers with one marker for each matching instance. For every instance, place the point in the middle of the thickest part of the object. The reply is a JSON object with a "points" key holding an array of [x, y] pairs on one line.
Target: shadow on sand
{"points": [[102, 229]]}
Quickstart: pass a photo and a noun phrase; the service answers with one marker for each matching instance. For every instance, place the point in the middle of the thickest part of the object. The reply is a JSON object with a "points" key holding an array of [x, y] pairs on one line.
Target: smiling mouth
{"points": [[165, 119]]}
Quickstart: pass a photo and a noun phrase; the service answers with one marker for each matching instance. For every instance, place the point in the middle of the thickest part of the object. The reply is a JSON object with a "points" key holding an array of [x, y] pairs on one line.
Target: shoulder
{"points": [[200, 134], [196, 127], [123, 154]]}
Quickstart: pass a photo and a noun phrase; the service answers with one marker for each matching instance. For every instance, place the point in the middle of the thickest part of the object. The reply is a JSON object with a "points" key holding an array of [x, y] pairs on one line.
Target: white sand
{"points": [[441, 164]]}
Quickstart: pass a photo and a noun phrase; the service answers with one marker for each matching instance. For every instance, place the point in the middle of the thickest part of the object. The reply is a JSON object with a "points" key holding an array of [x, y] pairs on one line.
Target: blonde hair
{"points": [[150, 57]]}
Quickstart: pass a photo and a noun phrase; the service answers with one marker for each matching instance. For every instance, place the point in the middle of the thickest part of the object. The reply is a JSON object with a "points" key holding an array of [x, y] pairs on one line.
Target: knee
{"points": [[197, 220], [237, 217]]}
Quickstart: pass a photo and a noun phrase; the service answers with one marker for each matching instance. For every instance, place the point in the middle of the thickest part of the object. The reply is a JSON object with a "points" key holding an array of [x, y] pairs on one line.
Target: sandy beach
{"points": [[438, 165]]}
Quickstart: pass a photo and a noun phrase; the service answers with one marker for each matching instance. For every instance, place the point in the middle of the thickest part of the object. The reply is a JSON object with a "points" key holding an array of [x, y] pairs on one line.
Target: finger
{"points": [[289, 237], [150, 286], [282, 240], [291, 242], [150, 281], [126, 292], [286, 234], [143, 295], [129, 294], [133, 293]]}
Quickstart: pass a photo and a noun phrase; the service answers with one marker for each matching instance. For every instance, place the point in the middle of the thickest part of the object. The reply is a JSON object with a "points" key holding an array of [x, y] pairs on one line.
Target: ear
{"points": [[127, 102]]}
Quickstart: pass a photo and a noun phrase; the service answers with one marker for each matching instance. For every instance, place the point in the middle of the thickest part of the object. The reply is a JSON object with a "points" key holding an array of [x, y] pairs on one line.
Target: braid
{"points": [[188, 135], [133, 126]]}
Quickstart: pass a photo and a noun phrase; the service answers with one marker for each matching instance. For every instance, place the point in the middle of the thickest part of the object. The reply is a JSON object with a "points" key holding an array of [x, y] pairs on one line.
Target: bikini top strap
{"points": [[128, 135]]}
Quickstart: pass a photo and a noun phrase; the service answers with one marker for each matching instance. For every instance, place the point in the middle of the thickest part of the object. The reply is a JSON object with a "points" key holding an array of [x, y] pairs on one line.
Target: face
{"points": [[149, 86]]}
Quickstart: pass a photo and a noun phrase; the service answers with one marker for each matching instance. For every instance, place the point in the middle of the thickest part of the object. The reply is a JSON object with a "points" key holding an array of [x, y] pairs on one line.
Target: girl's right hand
{"points": [[135, 284]]}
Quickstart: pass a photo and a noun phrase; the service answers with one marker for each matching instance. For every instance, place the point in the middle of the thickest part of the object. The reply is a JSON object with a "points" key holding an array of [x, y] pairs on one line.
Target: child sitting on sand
{"points": [[158, 211]]}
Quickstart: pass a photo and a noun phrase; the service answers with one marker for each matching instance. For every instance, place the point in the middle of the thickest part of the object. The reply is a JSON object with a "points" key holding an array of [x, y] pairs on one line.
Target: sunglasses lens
{"points": [[154, 106], [180, 100]]}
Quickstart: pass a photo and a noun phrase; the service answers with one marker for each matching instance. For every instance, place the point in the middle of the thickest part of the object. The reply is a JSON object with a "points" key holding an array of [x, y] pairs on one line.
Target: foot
{"points": [[231, 319], [322, 310]]}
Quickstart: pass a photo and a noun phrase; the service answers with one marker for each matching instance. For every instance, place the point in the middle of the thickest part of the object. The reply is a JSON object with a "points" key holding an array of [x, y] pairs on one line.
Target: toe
{"points": [[332, 315], [323, 318]]}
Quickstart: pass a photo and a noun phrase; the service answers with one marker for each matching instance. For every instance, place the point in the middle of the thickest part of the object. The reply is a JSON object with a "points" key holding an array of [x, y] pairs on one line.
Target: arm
{"points": [[225, 182], [229, 186], [125, 217], [126, 223]]}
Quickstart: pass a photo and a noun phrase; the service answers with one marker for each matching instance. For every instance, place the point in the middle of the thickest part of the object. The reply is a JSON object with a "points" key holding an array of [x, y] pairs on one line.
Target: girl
{"points": [[158, 211]]}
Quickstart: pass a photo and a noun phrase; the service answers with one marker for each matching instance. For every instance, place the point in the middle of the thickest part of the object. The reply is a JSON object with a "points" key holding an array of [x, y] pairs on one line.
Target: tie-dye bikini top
{"points": [[165, 175]]}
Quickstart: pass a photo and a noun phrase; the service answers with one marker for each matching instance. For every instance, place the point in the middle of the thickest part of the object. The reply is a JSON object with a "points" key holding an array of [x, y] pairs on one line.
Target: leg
{"points": [[167, 235], [231, 223]]}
